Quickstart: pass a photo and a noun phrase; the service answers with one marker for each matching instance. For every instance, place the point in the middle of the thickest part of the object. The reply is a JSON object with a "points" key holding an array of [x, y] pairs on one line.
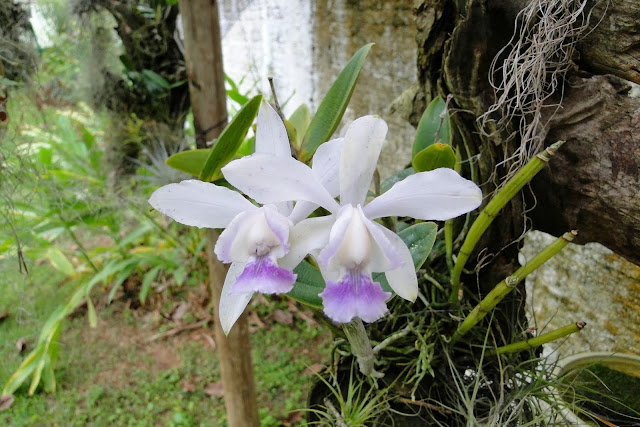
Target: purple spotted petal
{"points": [[262, 274], [355, 295]]}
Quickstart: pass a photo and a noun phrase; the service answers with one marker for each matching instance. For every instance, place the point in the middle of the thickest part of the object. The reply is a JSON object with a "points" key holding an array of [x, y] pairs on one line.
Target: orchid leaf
{"points": [[395, 178], [300, 119], [333, 106], [190, 161], [309, 284], [230, 140], [434, 126], [435, 156], [419, 238]]}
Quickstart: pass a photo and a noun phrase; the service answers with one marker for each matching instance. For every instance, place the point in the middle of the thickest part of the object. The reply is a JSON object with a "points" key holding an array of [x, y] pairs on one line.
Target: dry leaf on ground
{"points": [[6, 402], [214, 389]]}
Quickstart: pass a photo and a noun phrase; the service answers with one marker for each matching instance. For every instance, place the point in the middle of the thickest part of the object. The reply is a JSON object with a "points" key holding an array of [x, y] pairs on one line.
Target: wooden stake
{"points": [[203, 58]]}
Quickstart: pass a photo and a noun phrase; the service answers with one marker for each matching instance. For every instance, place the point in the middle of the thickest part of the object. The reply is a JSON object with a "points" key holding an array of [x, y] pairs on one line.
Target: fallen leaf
{"points": [[314, 369], [21, 345], [180, 311], [187, 386], [6, 402], [293, 417], [214, 389], [284, 318]]}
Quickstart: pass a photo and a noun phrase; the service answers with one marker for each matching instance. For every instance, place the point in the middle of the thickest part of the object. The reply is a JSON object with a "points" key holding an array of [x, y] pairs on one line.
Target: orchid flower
{"points": [[254, 238], [348, 244]]}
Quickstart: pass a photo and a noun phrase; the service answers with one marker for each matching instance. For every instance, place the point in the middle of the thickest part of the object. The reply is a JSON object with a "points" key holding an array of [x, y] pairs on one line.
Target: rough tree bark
{"points": [[593, 183], [203, 55]]}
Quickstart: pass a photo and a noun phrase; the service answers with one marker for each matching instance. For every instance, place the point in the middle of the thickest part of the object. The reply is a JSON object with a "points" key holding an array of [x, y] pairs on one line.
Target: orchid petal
{"points": [[271, 134], [199, 204], [362, 144], [270, 179], [232, 306], [436, 195], [336, 237], [402, 279], [326, 164], [383, 255], [307, 236], [279, 224], [262, 274], [233, 243], [355, 295], [325, 168]]}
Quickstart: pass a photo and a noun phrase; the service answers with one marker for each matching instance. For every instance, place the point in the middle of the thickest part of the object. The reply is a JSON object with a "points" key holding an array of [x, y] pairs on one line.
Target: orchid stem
{"points": [[490, 211], [361, 347], [541, 339], [503, 288]]}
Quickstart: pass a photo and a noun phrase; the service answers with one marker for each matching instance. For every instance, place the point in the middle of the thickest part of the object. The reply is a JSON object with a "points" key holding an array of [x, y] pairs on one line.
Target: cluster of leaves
{"points": [[62, 208]]}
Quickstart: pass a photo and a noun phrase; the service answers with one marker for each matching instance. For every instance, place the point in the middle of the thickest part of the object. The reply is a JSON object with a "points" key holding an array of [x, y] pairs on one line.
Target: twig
{"points": [[176, 331], [425, 404]]}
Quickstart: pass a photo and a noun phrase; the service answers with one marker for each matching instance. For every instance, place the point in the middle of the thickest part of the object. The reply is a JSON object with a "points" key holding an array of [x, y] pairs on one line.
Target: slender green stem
{"points": [[81, 248], [507, 285], [448, 241], [361, 347], [490, 211], [541, 339]]}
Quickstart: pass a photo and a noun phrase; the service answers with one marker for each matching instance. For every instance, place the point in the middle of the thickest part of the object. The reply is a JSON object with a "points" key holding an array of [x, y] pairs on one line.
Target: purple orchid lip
{"points": [[355, 295], [263, 275]]}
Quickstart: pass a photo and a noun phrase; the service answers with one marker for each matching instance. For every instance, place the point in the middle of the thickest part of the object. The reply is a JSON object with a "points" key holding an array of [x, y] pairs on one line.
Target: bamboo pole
{"points": [[203, 59]]}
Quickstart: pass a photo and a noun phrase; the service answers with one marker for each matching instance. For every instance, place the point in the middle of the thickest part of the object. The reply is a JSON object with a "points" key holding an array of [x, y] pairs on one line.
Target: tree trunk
{"points": [[203, 54], [592, 185]]}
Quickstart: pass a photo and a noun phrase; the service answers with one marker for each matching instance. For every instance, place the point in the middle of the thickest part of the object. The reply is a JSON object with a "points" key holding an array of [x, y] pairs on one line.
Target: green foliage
{"points": [[230, 140], [434, 126], [437, 155], [333, 105], [190, 161]]}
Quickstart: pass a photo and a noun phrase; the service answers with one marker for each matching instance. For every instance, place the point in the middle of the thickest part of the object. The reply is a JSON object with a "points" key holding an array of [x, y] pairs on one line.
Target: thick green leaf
{"points": [[300, 119], [332, 107], [395, 178], [59, 261], [419, 238], [432, 127], [309, 284], [435, 156], [230, 140], [190, 161]]}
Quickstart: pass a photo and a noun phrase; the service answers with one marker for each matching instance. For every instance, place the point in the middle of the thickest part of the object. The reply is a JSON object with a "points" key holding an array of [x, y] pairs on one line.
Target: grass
{"points": [[111, 376]]}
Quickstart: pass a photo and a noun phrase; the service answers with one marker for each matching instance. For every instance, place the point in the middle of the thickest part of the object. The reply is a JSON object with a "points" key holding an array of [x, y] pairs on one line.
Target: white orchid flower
{"points": [[255, 238], [348, 244]]}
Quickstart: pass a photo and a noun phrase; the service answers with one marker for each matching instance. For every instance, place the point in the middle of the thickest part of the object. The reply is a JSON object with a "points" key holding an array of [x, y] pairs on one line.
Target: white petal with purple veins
{"points": [[199, 204], [269, 179], [362, 144], [355, 295], [231, 306], [262, 274], [437, 195]]}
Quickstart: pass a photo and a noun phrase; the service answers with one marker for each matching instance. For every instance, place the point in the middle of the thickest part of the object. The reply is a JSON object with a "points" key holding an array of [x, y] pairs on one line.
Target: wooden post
{"points": [[203, 58]]}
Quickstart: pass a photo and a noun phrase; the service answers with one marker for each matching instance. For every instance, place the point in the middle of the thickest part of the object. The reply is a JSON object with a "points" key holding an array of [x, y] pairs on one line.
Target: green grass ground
{"points": [[112, 375]]}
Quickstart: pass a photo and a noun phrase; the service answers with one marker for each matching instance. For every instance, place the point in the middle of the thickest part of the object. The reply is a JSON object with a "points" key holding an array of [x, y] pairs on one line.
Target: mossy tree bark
{"points": [[593, 183]]}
